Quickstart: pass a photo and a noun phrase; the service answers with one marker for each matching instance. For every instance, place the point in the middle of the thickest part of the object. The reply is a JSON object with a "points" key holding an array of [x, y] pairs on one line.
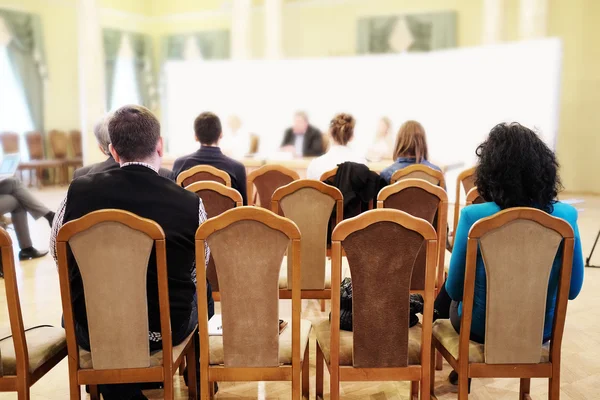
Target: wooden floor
{"points": [[40, 299]]}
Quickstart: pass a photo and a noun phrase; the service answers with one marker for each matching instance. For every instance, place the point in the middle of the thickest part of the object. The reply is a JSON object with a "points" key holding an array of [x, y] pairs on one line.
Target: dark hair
{"points": [[134, 132], [342, 128], [207, 127], [517, 169]]}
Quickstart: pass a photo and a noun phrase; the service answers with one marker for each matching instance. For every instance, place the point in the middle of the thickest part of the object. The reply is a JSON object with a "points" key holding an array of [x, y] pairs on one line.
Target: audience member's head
{"points": [[411, 142], [383, 128], [207, 127], [101, 133], [517, 169], [341, 128], [135, 136], [300, 123]]}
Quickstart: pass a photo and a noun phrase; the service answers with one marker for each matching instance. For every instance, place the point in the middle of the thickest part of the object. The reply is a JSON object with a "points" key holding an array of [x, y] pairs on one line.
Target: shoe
{"points": [[31, 253], [453, 378]]}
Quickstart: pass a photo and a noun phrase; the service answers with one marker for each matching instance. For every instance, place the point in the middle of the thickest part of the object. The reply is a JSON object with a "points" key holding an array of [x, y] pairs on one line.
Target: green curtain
{"points": [[27, 57], [213, 45], [112, 43], [144, 69]]}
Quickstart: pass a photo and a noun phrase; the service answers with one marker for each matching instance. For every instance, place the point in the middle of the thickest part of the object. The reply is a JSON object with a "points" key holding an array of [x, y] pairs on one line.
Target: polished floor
{"points": [[40, 301]]}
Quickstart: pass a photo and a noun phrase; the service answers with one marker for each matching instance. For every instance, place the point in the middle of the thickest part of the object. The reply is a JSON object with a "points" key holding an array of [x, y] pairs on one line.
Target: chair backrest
{"points": [[14, 305], [518, 247], [424, 200], [419, 171], [473, 197], [201, 173], [310, 204], [35, 145], [381, 248], [10, 142], [58, 143], [102, 243], [248, 245], [217, 199], [254, 143], [466, 180], [267, 179], [329, 174], [75, 137]]}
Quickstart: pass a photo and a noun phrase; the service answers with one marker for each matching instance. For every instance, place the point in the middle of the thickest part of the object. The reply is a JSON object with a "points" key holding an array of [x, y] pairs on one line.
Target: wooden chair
{"points": [[466, 180], [59, 143], [519, 246], [9, 142], [267, 179], [201, 173], [381, 347], [254, 143], [29, 354], [248, 278], [100, 241], [329, 174], [217, 199], [37, 162], [309, 204], [421, 199], [420, 171], [473, 197]]}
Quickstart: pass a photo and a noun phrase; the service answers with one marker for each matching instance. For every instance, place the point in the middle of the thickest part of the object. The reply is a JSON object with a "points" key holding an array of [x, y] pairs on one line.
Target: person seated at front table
{"points": [[207, 128], [515, 169], [302, 139], [382, 146], [236, 141], [410, 148], [341, 130]]}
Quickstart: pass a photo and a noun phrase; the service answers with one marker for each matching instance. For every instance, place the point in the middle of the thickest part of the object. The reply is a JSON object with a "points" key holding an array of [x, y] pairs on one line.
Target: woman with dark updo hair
{"points": [[515, 169]]}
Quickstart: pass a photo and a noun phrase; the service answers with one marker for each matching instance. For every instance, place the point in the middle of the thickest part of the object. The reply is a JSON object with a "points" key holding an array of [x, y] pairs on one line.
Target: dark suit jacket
{"points": [[213, 156], [313, 141], [110, 164]]}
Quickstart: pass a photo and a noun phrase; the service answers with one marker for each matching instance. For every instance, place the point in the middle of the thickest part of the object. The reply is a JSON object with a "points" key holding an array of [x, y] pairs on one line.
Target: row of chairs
{"points": [[381, 347], [59, 142]]}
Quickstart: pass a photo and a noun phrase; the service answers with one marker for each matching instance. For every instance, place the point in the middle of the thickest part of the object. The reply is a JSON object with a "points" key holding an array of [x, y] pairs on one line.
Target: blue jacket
{"points": [[403, 162], [456, 276]]}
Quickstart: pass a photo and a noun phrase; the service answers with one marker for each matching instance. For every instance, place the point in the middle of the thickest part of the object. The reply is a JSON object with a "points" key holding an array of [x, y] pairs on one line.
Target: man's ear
{"points": [[196, 138], [114, 153], [160, 147]]}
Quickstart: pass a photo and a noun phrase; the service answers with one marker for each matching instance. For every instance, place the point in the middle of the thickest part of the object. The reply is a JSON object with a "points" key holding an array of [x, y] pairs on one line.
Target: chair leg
{"points": [[94, 393], [414, 390], [168, 385], [22, 388], [191, 363], [322, 305], [524, 388], [334, 383], [74, 389], [554, 383], [296, 380], [319, 373], [463, 383], [306, 373], [432, 367], [212, 390], [439, 361], [182, 366]]}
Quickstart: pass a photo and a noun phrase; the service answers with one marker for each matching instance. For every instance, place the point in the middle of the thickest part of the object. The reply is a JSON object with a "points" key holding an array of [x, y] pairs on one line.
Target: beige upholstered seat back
{"points": [[381, 258], [267, 183], [421, 175], [421, 204], [202, 176], [311, 211], [248, 256], [113, 261], [518, 259]]}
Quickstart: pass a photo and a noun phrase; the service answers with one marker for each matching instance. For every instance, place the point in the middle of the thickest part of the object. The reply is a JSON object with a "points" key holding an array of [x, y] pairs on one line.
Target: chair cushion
{"points": [[445, 333], [156, 357], [283, 272], [285, 344], [323, 333], [43, 343]]}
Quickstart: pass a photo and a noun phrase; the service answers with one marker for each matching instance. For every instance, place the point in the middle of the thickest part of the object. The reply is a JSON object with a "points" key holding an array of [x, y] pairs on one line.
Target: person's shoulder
{"points": [[565, 211], [430, 165], [475, 212]]}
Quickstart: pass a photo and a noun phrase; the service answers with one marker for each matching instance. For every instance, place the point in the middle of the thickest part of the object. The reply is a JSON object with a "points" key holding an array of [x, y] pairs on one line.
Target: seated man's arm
{"points": [[56, 225], [201, 218]]}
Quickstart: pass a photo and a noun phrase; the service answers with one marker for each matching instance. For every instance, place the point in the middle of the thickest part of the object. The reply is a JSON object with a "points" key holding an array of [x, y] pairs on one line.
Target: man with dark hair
{"points": [[207, 128], [303, 139], [135, 144]]}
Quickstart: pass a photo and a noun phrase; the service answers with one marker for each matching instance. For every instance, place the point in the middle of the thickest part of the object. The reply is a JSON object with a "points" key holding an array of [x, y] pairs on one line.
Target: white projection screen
{"points": [[458, 95]]}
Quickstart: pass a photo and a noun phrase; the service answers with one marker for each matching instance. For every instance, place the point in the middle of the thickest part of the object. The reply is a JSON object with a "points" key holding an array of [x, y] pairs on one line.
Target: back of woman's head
{"points": [[411, 142], [517, 169], [342, 128]]}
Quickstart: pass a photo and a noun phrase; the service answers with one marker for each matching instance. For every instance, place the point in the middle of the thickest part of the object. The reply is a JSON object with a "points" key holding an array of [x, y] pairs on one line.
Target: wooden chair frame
{"points": [[23, 380], [223, 190], [459, 182], [216, 373], [328, 190], [413, 373], [419, 168], [525, 372], [93, 377], [472, 196], [328, 174], [442, 216], [204, 168], [263, 170]]}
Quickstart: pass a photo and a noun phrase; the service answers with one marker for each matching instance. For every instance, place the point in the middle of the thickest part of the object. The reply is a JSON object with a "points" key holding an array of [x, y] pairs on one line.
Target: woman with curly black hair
{"points": [[515, 169]]}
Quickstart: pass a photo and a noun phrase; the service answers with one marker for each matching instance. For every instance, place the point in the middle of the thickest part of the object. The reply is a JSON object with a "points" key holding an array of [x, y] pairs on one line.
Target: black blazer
{"points": [[110, 164], [313, 141], [142, 191], [213, 156]]}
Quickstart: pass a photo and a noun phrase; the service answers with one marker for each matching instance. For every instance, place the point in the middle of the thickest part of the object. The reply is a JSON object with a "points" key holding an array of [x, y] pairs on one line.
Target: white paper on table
{"points": [[215, 326]]}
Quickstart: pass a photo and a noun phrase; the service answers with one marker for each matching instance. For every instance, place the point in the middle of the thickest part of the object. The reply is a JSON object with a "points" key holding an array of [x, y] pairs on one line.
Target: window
{"points": [[14, 112], [125, 87]]}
